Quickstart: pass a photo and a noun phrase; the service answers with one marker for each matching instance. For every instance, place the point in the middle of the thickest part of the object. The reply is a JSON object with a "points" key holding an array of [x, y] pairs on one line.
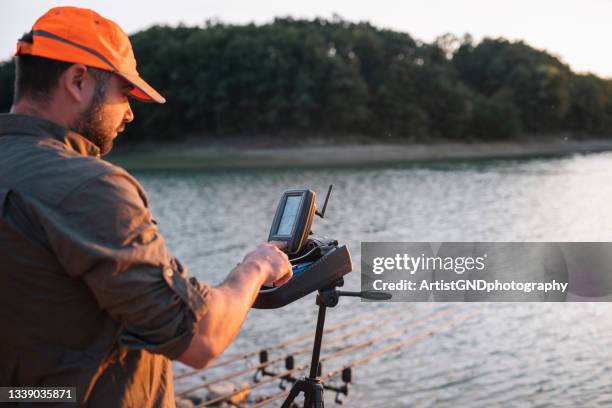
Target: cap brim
{"points": [[142, 90]]}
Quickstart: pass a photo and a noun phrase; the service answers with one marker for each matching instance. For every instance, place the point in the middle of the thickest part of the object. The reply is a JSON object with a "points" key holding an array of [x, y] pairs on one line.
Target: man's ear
{"points": [[77, 83]]}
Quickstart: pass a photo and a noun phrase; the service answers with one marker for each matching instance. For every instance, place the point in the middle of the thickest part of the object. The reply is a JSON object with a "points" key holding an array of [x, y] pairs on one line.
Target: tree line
{"points": [[332, 77]]}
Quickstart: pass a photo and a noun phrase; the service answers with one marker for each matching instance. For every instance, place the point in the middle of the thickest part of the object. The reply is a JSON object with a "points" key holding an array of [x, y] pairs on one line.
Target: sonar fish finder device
{"points": [[293, 219], [317, 262]]}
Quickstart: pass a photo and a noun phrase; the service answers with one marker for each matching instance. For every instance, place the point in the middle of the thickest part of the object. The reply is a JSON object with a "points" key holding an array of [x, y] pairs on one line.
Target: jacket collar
{"points": [[15, 124]]}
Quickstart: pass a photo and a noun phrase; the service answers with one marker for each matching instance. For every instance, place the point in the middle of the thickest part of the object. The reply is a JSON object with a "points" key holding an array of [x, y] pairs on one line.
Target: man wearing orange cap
{"points": [[89, 296]]}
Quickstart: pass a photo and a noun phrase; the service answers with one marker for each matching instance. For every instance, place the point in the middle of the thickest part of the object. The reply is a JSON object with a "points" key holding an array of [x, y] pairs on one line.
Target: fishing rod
{"points": [[264, 362], [289, 372], [345, 369], [401, 343], [227, 396], [404, 329], [281, 345]]}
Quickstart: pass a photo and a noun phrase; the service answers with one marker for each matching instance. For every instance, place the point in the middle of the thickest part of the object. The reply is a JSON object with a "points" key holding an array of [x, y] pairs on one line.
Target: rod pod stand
{"points": [[312, 386]]}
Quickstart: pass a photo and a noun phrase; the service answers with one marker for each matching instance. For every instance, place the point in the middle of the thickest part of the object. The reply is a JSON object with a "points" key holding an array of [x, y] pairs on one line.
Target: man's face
{"points": [[106, 115]]}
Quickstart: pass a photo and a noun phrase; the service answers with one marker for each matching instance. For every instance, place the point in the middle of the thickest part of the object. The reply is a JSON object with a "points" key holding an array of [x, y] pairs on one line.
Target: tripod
{"points": [[312, 386]]}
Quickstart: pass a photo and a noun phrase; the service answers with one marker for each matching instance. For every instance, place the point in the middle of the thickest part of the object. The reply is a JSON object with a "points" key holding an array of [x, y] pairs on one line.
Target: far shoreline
{"points": [[197, 156]]}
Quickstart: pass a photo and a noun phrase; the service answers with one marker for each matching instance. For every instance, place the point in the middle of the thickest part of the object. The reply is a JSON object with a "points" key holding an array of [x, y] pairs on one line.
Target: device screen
{"points": [[289, 215]]}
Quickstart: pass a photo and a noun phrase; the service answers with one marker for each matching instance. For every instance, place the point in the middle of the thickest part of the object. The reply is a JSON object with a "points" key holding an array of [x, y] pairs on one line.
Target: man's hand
{"points": [[230, 302], [272, 261]]}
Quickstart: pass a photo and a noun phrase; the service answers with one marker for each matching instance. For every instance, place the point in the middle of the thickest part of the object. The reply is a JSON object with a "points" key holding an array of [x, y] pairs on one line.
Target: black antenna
{"points": [[322, 213]]}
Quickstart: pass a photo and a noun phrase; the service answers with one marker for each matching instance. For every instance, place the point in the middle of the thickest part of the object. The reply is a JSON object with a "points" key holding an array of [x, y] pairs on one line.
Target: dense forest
{"points": [[333, 78]]}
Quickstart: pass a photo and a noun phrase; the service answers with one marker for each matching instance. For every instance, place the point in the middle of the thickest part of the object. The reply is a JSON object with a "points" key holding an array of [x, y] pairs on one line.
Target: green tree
{"points": [[539, 81], [589, 103]]}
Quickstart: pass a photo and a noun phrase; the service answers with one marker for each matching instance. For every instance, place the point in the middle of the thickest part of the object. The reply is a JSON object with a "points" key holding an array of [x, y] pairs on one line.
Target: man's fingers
{"points": [[280, 268], [279, 244], [284, 279]]}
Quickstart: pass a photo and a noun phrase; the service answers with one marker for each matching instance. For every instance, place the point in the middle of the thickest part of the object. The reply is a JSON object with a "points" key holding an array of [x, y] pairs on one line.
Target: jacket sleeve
{"points": [[103, 233]]}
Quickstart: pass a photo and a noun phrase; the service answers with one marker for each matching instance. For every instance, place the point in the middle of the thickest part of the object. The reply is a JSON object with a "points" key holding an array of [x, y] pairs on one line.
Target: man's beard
{"points": [[91, 125]]}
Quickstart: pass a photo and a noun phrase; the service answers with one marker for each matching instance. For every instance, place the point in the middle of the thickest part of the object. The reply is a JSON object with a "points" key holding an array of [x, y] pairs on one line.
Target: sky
{"points": [[578, 32]]}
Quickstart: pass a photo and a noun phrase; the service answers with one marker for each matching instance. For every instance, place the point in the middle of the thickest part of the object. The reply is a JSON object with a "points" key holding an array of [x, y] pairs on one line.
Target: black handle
{"points": [[367, 294], [375, 295]]}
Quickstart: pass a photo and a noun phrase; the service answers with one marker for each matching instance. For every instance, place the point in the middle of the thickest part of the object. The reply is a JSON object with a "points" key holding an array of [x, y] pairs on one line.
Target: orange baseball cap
{"points": [[83, 36]]}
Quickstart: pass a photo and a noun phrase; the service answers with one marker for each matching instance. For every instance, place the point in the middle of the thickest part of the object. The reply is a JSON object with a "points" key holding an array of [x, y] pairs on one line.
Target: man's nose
{"points": [[129, 115]]}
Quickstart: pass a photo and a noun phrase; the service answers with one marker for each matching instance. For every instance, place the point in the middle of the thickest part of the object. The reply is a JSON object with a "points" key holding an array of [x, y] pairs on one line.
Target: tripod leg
{"points": [[308, 399], [298, 386]]}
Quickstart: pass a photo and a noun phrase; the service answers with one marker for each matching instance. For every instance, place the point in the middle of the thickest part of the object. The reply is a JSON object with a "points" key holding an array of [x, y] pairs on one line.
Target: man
{"points": [[89, 296]]}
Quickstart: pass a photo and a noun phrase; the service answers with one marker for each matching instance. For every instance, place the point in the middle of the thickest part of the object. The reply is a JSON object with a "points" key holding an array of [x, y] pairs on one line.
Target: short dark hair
{"points": [[38, 77]]}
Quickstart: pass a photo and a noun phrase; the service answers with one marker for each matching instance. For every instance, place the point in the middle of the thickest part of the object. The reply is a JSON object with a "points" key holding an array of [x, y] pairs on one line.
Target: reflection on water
{"points": [[508, 355]]}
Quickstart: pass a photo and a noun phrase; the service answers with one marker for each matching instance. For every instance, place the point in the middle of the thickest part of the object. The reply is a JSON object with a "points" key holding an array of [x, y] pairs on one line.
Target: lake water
{"points": [[505, 355]]}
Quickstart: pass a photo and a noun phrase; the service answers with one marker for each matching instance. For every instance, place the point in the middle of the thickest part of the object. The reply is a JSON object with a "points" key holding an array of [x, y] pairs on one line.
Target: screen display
{"points": [[289, 215]]}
